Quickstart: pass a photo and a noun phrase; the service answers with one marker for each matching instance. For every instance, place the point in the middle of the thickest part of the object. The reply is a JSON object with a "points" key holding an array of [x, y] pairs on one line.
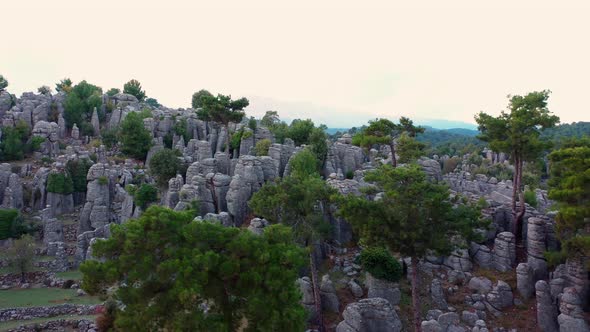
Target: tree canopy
{"points": [[79, 104], [570, 187], [197, 99], [3, 83], [198, 276], [135, 139], [413, 217], [164, 165], [133, 87], [517, 133]]}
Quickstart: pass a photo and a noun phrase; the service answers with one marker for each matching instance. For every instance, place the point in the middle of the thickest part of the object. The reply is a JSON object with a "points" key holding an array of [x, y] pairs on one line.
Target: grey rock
{"points": [[437, 294], [370, 315], [431, 326], [447, 319], [379, 288], [355, 289], [481, 285], [328, 295], [469, 317], [504, 251], [536, 239], [525, 281]]}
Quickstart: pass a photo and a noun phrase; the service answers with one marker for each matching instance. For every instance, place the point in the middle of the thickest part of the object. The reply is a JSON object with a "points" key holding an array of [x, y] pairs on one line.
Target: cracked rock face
{"points": [[536, 239], [504, 251], [369, 315]]}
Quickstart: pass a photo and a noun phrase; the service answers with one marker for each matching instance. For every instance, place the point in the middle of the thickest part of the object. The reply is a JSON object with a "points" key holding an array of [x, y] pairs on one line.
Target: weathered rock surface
{"points": [[370, 315]]}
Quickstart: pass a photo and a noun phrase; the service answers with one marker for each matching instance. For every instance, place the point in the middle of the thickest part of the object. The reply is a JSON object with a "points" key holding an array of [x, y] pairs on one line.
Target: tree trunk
{"points": [[514, 186], [393, 159], [22, 277], [415, 297], [316, 290]]}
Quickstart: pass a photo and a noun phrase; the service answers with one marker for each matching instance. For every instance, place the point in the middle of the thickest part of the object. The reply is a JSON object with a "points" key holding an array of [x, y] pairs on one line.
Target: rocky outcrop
{"points": [[11, 188], [504, 253], [432, 168], [525, 282], [248, 178], [96, 210], [536, 247], [343, 158], [307, 299], [85, 240], [437, 295], [370, 315], [572, 317], [328, 295], [459, 260], [546, 308], [380, 288]]}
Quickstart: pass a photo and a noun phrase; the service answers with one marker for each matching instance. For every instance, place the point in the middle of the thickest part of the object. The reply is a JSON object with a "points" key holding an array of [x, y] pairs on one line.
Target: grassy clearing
{"points": [[69, 275], [42, 297], [4, 326]]}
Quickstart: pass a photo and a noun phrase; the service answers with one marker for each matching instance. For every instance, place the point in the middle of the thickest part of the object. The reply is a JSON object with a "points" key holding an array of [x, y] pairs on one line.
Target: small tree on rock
{"points": [[3, 83], [133, 87], [517, 133], [164, 165], [136, 140], [413, 217], [21, 254]]}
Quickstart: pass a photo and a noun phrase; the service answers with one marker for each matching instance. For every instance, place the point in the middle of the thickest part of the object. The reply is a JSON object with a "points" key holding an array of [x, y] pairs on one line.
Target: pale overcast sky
{"points": [[337, 62]]}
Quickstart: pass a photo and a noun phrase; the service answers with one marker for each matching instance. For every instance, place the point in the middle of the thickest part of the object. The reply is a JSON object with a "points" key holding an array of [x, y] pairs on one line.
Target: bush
{"points": [[36, 142], [135, 139], [60, 183], [8, 220], [450, 164], [252, 123], [113, 91], [164, 165], [3, 83], [381, 264], [236, 139], [103, 180], [78, 169], [110, 137], [262, 147], [530, 198], [145, 195], [12, 146], [79, 104], [350, 175]]}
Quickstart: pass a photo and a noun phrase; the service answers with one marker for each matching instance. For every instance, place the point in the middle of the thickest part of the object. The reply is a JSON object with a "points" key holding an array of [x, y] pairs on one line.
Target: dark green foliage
{"points": [[381, 264], [562, 133], [223, 109], [110, 137], [133, 87], [60, 183], [79, 104], [252, 124], [8, 221], [296, 200], [180, 128], [450, 142], [319, 145], [280, 131], [44, 90], [36, 142], [168, 140], [21, 255], [185, 265], [13, 144], [64, 85], [3, 83], [135, 140], [413, 216], [350, 175], [103, 180], [530, 198], [408, 148], [145, 195], [78, 169], [570, 187], [164, 165], [153, 102], [518, 135], [300, 131], [113, 91], [236, 139], [197, 101]]}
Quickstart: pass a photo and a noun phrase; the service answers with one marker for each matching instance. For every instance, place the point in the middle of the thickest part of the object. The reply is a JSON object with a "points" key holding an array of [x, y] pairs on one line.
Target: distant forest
{"points": [[460, 141]]}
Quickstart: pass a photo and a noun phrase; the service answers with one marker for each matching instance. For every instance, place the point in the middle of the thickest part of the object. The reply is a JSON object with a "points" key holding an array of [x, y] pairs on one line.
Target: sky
{"points": [[337, 62]]}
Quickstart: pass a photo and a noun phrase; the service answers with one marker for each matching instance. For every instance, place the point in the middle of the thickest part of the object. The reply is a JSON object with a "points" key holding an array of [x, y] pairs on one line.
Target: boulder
{"points": [[379, 288], [370, 315], [525, 282], [504, 253]]}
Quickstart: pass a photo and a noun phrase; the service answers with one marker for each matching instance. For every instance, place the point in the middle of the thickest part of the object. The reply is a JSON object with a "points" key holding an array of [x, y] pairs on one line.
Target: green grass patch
{"points": [[35, 297], [5, 326], [70, 275]]}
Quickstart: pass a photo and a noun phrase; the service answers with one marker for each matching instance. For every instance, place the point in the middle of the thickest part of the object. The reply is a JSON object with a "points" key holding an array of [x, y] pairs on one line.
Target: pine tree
{"points": [[517, 133], [414, 216]]}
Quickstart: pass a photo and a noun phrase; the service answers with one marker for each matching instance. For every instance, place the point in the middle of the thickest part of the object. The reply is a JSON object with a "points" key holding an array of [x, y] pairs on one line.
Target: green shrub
{"points": [[8, 218], [78, 169], [110, 137], [381, 264], [164, 165], [262, 147], [145, 195], [3, 83], [252, 124], [530, 198], [135, 139], [350, 175], [103, 180], [36, 142], [60, 183], [133, 87], [236, 139]]}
